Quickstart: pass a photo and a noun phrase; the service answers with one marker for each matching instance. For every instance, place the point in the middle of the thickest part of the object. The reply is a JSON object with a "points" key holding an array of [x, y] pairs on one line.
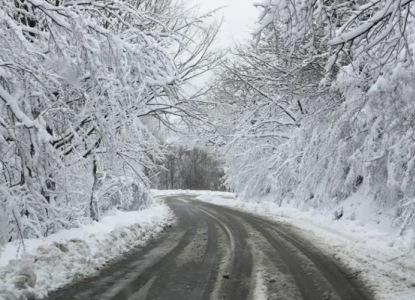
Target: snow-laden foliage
{"points": [[322, 105], [374, 29], [79, 83]]}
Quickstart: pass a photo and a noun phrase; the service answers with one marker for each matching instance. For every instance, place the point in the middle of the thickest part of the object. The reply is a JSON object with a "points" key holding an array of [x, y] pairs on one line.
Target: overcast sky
{"points": [[239, 17]]}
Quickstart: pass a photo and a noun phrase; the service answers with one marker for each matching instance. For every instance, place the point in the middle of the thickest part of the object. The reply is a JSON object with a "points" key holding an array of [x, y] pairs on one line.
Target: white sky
{"points": [[239, 17]]}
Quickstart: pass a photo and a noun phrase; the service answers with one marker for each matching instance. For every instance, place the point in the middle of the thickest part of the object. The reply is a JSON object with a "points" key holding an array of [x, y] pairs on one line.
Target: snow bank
{"points": [[361, 240], [69, 255], [167, 193]]}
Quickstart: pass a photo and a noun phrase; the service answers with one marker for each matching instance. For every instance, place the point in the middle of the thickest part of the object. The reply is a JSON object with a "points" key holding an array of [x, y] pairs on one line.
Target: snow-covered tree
{"points": [[79, 83], [194, 169], [373, 29], [322, 107]]}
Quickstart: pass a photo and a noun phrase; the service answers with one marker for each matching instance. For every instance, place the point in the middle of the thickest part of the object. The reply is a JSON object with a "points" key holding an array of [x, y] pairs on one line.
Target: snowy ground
{"points": [[71, 254], [363, 241]]}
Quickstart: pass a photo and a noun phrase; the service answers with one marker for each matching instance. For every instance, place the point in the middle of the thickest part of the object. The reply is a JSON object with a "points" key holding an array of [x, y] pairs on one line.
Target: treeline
{"points": [[321, 106], [81, 84], [193, 169]]}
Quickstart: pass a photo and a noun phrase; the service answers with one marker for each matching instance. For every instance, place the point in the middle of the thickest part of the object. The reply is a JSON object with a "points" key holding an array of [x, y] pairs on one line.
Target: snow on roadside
{"points": [[384, 261], [167, 193], [68, 255], [260, 292]]}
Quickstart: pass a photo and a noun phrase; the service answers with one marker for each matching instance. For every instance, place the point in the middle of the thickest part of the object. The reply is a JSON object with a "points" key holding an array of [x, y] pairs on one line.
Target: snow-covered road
{"points": [[215, 252]]}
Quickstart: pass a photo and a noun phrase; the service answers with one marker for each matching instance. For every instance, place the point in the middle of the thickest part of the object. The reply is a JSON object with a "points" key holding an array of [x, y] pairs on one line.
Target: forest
{"points": [[84, 86], [189, 169], [317, 106]]}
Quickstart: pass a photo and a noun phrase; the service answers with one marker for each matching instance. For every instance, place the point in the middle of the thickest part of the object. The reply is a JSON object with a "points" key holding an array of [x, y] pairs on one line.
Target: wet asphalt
{"points": [[214, 252]]}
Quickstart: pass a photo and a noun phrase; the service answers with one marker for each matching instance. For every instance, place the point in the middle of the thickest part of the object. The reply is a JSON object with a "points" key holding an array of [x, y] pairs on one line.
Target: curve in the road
{"points": [[215, 252]]}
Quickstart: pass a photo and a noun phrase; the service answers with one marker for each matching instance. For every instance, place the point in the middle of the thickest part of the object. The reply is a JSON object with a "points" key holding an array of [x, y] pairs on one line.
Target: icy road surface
{"points": [[214, 252]]}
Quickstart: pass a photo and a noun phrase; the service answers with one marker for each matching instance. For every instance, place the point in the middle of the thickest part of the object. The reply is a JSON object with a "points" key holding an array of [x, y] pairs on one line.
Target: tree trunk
{"points": [[93, 205]]}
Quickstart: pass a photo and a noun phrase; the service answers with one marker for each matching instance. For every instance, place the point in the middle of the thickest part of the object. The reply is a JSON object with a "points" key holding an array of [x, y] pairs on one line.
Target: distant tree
{"points": [[193, 169]]}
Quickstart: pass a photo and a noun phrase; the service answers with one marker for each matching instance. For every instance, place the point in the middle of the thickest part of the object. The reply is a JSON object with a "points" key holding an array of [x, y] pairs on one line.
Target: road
{"points": [[214, 252]]}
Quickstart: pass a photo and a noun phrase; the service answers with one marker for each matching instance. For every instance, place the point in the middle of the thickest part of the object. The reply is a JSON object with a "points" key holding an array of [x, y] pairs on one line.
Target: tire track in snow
{"points": [[234, 282], [316, 275]]}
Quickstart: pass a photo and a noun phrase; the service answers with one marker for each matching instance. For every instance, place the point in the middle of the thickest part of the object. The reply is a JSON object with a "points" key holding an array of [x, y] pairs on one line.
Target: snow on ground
{"points": [[363, 240], [68, 255], [166, 193], [260, 292]]}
